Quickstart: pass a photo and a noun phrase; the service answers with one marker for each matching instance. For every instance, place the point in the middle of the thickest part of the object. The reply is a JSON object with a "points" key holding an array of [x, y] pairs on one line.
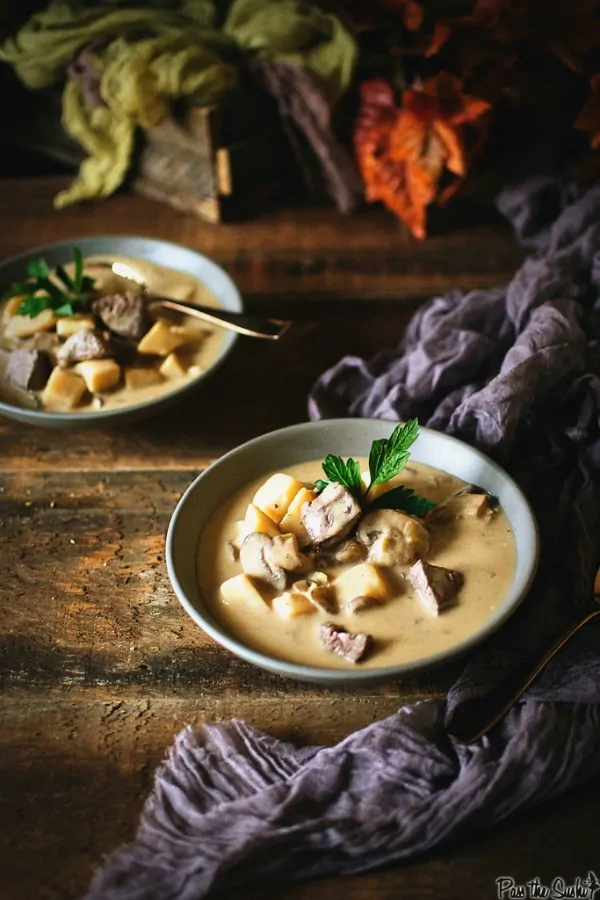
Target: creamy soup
{"points": [[165, 352], [470, 537]]}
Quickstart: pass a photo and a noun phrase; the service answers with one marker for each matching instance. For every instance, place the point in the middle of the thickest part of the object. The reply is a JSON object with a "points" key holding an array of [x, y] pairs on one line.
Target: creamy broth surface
{"points": [[482, 549], [161, 281]]}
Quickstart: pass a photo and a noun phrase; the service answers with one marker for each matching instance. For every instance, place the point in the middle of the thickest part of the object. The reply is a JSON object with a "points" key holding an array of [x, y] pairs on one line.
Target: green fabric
{"points": [[163, 50]]}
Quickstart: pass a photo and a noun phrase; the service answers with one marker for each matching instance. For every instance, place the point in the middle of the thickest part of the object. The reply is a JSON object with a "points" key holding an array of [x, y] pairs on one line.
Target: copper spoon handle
{"points": [[533, 674], [253, 326]]}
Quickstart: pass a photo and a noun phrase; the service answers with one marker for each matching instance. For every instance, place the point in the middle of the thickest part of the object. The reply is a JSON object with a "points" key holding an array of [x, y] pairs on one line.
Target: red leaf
{"points": [[403, 153]]}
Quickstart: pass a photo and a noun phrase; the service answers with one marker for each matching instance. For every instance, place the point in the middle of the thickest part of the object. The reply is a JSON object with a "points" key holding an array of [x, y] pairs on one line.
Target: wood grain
{"points": [[307, 253], [74, 776], [88, 605], [270, 382], [99, 664]]}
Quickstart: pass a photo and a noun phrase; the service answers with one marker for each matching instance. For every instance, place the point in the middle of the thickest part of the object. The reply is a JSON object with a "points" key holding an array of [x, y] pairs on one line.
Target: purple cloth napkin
{"points": [[514, 372]]}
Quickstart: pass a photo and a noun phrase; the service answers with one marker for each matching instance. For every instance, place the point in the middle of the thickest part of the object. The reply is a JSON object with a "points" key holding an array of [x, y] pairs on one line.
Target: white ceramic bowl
{"points": [[163, 253], [345, 437]]}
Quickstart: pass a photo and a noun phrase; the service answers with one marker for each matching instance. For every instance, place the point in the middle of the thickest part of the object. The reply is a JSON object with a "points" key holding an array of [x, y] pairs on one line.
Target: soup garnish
{"points": [[339, 561], [81, 336]]}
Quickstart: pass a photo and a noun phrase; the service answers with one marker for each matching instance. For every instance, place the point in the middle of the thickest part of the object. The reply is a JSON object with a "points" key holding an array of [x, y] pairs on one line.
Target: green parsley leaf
{"points": [[67, 309], [321, 484], [404, 499], [38, 268], [16, 289], [78, 269], [66, 279], [41, 292], [389, 456], [33, 306], [346, 473]]}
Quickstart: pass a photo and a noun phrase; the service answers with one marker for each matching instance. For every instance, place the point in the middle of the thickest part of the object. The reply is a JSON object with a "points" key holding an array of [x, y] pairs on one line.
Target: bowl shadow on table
{"points": [[217, 684]]}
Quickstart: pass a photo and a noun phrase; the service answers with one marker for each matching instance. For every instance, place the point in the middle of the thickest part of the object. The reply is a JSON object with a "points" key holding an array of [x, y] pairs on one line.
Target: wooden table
{"points": [[99, 665]]}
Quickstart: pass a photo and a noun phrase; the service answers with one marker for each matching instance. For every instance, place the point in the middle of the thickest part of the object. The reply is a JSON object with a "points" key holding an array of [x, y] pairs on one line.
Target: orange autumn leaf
{"points": [[441, 34], [589, 117], [403, 153]]}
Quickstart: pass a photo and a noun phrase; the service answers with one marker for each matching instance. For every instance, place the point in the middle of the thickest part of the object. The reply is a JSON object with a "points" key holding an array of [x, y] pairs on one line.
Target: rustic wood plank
{"points": [[269, 382], [74, 775], [87, 604], [309, 251]]}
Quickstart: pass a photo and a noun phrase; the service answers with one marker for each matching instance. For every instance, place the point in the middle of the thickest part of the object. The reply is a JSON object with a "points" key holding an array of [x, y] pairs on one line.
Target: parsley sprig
{"points": [[387, 458], [40, 292]]}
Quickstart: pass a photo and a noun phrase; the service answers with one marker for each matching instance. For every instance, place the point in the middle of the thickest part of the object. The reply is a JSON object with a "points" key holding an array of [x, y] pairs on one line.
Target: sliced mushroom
{"points": [[360, 604], [255, 559], [317, 589], [393, 538], [330, 516], [285, 552], [350, 551], [470, 502], [233, 551]]}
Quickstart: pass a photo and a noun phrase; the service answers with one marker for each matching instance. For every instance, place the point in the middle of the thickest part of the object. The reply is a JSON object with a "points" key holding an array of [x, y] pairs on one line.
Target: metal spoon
{"points": [[253, 326], [505, 696]]}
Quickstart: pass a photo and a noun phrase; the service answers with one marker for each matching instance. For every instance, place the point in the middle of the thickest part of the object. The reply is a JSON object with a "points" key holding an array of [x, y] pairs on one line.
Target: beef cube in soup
{"points": [[436, 586], [28, 369], [84, 345], [352, 647], [330, 516], [125, 314]]}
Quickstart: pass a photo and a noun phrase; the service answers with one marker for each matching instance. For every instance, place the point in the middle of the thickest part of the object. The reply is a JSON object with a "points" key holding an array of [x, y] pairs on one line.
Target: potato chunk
{"points": [[68, 325], [292, 521], [99, 374], [25, 326], [363, 580], [276, 494], [291, 604], [63, 390], [162, 339], [172, 367], [241, 589], [257, 520], [137, 377]]}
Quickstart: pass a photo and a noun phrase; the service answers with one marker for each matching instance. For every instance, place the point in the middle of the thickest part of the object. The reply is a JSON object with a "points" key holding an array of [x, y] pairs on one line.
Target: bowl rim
{"points": [[130, 409], [302, 672]]}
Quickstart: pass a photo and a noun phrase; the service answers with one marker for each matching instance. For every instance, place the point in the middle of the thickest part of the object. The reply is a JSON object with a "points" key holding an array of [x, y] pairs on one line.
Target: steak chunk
{"points": [[330, 516], [436, 586], [125, 314], [84, 345], [28, 369], [353, 647]]}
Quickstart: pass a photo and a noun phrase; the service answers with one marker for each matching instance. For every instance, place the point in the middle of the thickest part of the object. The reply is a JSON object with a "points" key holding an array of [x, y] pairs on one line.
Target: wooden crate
{"points": [[221, 163]]}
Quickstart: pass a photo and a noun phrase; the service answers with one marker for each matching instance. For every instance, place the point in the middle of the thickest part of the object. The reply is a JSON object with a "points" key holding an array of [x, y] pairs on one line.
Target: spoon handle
{"points": [[254, 326], [496, 706]]}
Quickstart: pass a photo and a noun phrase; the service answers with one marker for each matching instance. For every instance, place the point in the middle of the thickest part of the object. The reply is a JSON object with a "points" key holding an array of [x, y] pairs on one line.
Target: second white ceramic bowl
{"points": [[344, 437]]}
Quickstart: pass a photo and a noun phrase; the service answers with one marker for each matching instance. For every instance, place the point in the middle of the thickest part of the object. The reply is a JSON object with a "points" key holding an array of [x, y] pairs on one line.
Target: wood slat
{"points": [[87, 605], [313, 252], [74, 776]]}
